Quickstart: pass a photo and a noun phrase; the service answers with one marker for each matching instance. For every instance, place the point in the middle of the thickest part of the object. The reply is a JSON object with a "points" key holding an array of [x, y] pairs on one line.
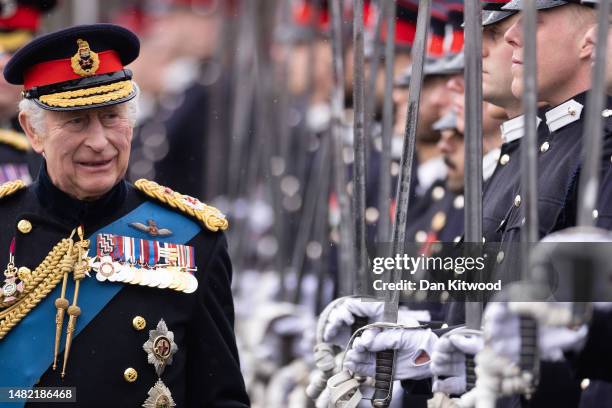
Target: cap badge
{"points": [[85, 62]]}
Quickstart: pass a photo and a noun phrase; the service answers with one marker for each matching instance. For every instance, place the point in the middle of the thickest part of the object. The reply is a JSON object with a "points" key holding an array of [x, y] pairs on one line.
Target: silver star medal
{"points": [[159, 396], [160, 347]]}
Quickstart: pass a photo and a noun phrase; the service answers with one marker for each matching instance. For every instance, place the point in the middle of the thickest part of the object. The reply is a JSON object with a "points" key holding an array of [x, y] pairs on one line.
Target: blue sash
{"points": [[27, 351]]}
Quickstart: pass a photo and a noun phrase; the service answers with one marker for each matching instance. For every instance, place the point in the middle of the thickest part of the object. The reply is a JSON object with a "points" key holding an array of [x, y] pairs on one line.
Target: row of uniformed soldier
{"points": [[562, 95]]}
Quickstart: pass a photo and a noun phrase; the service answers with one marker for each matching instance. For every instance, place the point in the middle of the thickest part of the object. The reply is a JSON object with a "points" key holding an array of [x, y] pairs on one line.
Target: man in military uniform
{"points": [[144, 313], [19, 21], [560, 145]]}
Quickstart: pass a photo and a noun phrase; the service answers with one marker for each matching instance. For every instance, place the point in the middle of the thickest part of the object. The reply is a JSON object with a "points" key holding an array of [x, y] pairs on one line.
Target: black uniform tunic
{"points": [[205, 371]]}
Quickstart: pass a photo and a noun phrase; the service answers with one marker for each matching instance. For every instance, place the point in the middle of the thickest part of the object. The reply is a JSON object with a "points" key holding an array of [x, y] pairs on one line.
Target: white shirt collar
{"points": [[514, 129], [429, 172], [563, 115], [489, 162]]}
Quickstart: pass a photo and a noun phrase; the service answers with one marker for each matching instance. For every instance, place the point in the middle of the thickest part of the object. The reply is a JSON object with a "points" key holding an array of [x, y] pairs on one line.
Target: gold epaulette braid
{"points": [[14, 139], [207, 215], [38, 286], [11, 187]]}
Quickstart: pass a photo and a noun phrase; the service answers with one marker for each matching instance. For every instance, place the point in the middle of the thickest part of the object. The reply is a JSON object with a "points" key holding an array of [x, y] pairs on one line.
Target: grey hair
{"points": [[36, 114]]}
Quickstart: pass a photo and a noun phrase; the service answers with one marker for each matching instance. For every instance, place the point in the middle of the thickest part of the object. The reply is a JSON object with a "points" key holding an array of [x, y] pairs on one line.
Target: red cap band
{"points": [[436, 45], [304, 14], [56, 71], [457, 43], [25, 18], [404, 32]]}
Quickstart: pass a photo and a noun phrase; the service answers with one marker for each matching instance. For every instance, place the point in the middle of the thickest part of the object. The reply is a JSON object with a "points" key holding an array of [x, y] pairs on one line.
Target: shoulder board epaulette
{"points": [[11, 187], [14, 139], [207, 215]]}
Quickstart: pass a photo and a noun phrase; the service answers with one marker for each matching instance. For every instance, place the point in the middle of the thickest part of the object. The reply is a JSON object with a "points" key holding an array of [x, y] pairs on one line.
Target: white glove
{"points": [[337, 329], [448, 360], [409, 344], [502, 329]]}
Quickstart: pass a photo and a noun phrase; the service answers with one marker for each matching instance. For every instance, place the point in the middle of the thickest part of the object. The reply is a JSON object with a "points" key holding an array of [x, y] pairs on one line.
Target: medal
{"points": [[13, 286], [159, 397], [192, 283], [160, 347], [143, 262]]}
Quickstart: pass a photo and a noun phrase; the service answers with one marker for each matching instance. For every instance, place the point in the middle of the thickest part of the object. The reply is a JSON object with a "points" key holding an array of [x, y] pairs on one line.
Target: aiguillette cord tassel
{"points": [[73, 310], [61, 303]]}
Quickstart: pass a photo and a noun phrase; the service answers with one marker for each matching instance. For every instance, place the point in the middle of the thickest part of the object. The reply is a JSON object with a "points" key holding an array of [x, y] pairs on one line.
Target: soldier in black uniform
{"points": [[121, 291], [19, 21], [559, 145]]}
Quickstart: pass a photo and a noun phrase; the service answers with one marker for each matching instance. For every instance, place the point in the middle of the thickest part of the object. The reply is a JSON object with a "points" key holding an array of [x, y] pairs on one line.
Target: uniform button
{"points": [[24, 273], [420, 236], [130, 375], [24, 226], [595, 214], [438, 221], [139, 322], [504, 159], [457, 239], [395, 168], [371, 215], [438, 193], [571, 111], [444, 326], [500, 256], [517, 200], [544, 147], [459, 202], [585, 383]]}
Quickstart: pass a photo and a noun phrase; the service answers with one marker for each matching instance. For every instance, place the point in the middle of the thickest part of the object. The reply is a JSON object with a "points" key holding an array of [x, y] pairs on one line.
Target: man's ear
{"points": [[34, 138], [587, 46]]}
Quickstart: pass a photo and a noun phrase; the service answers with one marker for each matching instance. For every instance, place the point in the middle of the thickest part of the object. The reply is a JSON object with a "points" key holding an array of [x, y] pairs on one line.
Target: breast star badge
{"points": [[159, 397], [160, 347]]}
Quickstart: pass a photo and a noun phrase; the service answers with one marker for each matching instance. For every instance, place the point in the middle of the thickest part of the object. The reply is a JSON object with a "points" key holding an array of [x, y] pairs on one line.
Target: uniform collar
{"points": [[489, 162], [514, 129], [566, 113], [72, 210]]}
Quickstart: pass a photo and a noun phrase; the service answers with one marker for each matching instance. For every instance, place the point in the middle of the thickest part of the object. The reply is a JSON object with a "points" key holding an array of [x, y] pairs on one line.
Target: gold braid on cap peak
{"points": [[89, 96], [14, 139], [208, 216], [11, 187]]}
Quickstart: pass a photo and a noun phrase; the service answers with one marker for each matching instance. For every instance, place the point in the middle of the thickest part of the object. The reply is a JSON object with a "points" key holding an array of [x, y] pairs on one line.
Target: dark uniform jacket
{"points": [[499, 191], [559, 162], [205, 371]]}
